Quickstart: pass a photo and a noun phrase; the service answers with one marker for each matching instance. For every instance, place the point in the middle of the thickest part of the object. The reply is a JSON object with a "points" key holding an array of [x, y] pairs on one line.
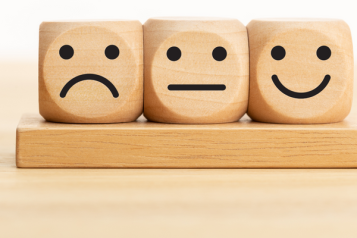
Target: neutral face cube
{"points": [[301, 70], [196, 70], [91, 72]]}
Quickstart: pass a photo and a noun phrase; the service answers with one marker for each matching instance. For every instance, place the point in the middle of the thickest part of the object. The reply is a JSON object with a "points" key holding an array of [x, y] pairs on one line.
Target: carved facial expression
{"points": [[323, 53], [302, 68], [196, 73], [88, 71]]}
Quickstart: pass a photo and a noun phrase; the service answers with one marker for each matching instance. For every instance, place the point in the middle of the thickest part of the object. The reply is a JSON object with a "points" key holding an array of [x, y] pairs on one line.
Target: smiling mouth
{"points": [[299, 95], [196, 87], [84, 77]]}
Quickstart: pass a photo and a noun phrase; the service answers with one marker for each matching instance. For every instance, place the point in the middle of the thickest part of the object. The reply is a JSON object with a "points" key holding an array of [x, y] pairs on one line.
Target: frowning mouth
{"points": [[84, 77], [301, 95], [196, 87]]}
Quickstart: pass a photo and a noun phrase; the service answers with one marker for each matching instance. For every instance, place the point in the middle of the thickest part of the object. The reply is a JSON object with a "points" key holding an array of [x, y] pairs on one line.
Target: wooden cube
{"points": [[91, 72], [301, 70], [196, 70]]}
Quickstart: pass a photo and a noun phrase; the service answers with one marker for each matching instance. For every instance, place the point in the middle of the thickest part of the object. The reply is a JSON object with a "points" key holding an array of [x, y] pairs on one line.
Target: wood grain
{"points": [[196, 39], [99, 79], [173, 203], [143, 144], [300, 71]]}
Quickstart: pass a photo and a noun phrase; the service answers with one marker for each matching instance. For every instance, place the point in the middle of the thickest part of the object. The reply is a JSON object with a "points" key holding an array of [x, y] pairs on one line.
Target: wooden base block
{"points": [[143, 144]]}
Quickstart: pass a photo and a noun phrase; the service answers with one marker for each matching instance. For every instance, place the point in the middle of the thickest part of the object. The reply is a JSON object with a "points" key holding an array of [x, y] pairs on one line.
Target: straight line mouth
{"points": [[84, 77], [196, 87]]}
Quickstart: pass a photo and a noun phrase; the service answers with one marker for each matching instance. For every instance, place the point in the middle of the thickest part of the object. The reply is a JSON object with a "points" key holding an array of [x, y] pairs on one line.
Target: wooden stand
{"points": [[143, 144]]}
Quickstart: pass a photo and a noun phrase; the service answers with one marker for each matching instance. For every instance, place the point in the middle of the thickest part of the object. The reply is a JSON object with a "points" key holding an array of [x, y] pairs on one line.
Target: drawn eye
{"points": [[323, 53], [219, 53], [278, 52], [112, 52], [174, 53], [66, 52]]}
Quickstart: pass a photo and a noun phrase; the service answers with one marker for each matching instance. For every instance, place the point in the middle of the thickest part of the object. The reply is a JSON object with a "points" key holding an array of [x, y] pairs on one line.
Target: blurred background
{"points": [[20, 20]]}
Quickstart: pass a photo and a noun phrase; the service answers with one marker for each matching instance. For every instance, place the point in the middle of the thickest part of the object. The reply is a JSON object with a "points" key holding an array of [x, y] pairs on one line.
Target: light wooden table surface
{"points": [[161, 203]]}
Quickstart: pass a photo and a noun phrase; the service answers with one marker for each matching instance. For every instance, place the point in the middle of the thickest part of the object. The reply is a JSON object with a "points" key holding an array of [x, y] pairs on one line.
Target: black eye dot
{"points": [[112, 52], [174, 53], [323, 53], [219, 53], [278, 52], [66, 52]]}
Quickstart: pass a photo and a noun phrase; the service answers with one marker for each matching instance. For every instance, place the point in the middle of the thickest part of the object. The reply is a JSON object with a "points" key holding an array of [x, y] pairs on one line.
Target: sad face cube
{"points": [[91, 72], [301, 71], [196, 70]]}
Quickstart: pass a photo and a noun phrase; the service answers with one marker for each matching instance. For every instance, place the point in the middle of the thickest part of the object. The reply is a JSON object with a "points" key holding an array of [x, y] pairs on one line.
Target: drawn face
{"points": [[219, 54], [197, 73], [302, 68], [323, 53], [85, 70]]}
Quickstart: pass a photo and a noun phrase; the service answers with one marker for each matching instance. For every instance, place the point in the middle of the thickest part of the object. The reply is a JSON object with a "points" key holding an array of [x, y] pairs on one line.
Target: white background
{"points": [[20, 19]]}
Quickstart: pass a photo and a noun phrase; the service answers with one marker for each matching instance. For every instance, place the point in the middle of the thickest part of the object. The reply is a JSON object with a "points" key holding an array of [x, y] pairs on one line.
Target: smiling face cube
{"points": [[196, 70], [301, 71], [91, 72]]}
